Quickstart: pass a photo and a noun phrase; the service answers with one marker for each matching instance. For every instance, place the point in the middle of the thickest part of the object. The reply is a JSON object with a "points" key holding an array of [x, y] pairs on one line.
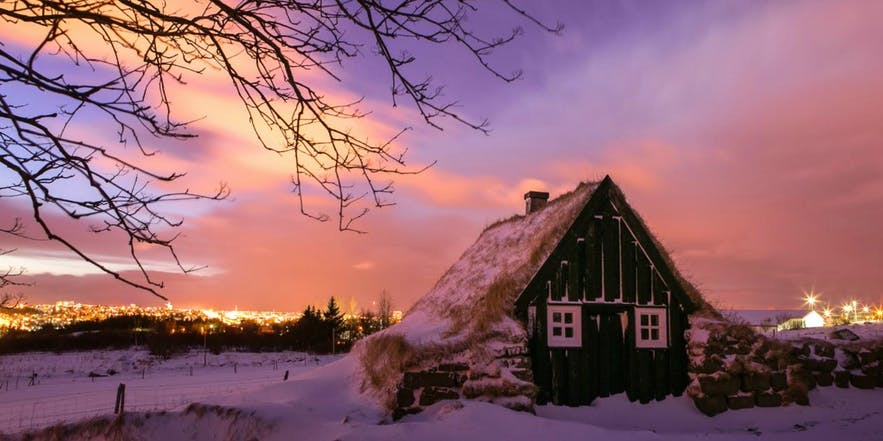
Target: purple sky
{"points": [[747, 134]]}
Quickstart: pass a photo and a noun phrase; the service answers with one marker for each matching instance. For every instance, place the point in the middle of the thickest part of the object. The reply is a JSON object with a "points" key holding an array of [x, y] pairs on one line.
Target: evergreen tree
{"points": [[332, 315]]}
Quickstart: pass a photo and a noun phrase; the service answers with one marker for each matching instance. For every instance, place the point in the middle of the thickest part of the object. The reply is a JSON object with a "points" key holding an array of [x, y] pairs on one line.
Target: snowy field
{"points": [[76, 385], [324, 404], [865, 331]]}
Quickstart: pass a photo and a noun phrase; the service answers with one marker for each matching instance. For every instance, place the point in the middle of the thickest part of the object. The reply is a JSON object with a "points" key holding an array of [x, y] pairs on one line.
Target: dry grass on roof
{"points": [[561, 198], [498, 298]]}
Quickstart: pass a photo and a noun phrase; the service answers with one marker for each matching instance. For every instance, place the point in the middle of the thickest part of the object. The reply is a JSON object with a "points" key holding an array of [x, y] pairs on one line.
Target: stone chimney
{"points": [[534, 200]]}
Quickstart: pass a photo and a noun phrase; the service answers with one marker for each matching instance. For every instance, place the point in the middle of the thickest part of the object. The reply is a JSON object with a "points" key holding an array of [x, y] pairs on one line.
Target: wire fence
{"points": [[27, 403]]}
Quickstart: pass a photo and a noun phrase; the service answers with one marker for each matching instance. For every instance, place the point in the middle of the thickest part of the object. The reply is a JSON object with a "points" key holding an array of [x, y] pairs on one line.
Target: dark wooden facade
{"points": [[605, 312]]}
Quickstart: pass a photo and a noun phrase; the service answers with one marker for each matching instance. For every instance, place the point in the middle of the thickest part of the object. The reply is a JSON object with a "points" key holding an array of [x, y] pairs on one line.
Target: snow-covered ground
{"points": [[64, 390], [324, 404], [866, 331]]}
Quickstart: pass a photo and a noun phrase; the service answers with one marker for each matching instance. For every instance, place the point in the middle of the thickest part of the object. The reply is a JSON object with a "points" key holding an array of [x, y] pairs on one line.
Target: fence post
{"points": [[121, 400], [285, 378]]}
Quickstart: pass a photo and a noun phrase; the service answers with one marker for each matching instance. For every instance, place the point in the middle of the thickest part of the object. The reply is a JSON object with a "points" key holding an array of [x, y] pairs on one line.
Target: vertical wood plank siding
{"points": [[608, 263]]}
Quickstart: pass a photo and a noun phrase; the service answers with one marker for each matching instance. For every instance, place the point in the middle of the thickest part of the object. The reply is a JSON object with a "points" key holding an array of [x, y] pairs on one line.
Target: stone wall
{"points": [[732, 367], [507, 380]]}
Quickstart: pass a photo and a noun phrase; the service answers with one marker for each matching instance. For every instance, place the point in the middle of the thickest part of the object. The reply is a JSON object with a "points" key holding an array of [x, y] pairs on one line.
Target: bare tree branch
{"points": [[265, 48]]}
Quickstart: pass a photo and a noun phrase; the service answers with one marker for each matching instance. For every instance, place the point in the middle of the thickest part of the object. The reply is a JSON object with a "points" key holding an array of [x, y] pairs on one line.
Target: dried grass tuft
{"points": [[384, 358]]}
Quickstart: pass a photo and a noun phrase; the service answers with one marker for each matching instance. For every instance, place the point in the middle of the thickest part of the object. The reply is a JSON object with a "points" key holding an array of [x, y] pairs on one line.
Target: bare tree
{"points": [[7, 279], [61, 81], [384, 309], [9, 301]]}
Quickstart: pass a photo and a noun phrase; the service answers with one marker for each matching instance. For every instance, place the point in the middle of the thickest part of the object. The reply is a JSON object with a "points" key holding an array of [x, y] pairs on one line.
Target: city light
{"points": [[62, 314], [810, 299]]}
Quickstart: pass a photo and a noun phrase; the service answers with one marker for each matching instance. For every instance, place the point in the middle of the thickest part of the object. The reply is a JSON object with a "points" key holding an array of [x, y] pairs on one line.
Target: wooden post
{"points": [[121, 400], [285, 378], [122, 397]]}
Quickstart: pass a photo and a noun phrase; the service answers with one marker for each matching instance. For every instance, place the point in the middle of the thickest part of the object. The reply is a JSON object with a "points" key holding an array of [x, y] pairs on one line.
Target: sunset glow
{"points": [[746, 134]]}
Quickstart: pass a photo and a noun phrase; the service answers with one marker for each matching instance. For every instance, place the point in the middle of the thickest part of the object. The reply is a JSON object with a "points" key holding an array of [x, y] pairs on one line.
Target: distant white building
{"points": [[813, 320]]}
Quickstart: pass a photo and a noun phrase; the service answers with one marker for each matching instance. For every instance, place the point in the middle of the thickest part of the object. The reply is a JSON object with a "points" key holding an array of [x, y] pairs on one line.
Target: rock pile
{"points": [[732, 367], [507, 381]]}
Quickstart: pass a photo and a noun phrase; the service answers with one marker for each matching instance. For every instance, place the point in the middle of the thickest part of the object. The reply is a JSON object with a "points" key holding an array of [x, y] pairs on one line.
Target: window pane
{"points": [[644, 320], [556, 317], [556, 332], [654, 320], [568, 332], [645, 334], [568, 317], [654, 334]]}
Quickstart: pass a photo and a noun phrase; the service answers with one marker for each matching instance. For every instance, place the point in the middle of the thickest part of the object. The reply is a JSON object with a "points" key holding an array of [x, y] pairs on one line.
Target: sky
{"points": [[746, 134]]}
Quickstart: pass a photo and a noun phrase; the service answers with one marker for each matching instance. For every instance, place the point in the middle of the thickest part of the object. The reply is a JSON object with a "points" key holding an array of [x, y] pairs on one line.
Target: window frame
{"points": [[575, 326], [661, 326]]}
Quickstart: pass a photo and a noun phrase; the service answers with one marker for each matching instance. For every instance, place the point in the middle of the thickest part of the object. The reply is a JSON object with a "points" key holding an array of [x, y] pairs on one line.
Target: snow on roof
{"points": [[498, 266]]}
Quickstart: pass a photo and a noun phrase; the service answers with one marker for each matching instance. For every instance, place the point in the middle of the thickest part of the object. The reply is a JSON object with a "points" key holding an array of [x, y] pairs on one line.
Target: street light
{"points": [[810, 299]]}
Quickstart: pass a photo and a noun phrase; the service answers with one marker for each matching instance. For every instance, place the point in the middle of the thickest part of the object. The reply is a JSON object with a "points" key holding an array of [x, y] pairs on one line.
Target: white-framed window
{"points": [[564, 326], [651, 329]]}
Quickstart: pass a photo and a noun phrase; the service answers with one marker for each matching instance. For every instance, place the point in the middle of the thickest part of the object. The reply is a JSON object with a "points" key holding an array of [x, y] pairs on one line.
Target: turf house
{"points": [[571, 301]]}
